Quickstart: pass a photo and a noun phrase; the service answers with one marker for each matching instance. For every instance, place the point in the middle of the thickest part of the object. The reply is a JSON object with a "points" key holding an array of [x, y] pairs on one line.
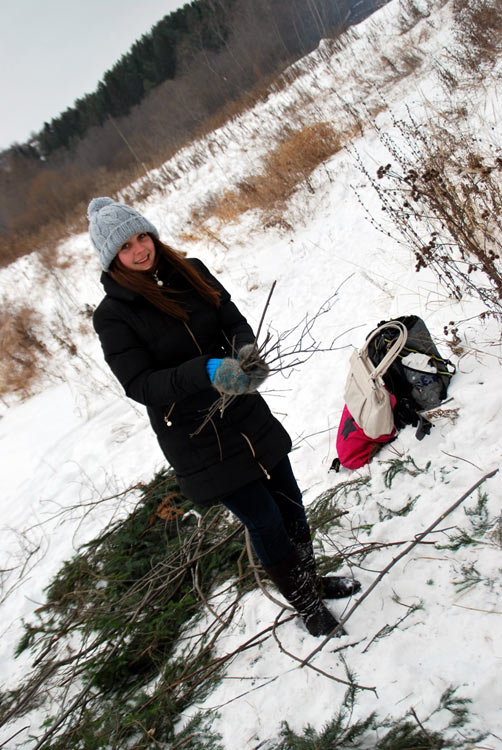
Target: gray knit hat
{"points": [[111, 224]]}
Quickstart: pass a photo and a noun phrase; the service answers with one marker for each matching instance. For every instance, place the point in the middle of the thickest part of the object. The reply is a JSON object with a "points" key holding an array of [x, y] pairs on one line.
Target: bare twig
{"points": [[4, 744], [264, 313], [387, 629], [316, 669], [478, 609], [460, 458], [277, 357], [424, 730]]}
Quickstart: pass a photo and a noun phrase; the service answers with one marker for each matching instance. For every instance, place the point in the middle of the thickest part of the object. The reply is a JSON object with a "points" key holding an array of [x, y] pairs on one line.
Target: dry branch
{"points": [[277, 354], [322, 671]]}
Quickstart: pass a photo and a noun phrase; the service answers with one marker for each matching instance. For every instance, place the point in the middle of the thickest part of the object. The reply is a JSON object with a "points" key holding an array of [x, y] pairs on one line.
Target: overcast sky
{"points": [[54, 51]]}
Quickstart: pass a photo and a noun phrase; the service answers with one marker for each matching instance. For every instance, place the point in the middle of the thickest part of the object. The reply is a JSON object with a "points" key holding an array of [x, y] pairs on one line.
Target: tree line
{"points": [[192, 63], [154, 58]]}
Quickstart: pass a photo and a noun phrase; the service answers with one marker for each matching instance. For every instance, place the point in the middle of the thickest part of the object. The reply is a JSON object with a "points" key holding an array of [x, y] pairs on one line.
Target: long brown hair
{"points": [[143, 283]]}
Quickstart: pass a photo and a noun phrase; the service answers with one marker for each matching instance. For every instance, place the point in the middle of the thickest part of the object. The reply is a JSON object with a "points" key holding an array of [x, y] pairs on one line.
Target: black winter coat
{"points": [[161, 363]]}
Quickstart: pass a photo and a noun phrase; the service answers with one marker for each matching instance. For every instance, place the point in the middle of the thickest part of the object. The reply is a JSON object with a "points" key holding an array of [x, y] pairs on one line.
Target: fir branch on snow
{"points": [[107, 604], [395, 560]]}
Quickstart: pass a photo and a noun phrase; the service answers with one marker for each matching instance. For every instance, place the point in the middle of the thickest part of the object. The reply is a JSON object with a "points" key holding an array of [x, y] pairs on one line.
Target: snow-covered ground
{"points": [[80, 439]]}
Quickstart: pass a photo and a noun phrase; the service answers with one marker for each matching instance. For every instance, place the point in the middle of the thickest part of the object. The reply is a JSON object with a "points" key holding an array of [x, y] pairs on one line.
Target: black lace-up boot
{"points": [[328, 587], [297, 586]]}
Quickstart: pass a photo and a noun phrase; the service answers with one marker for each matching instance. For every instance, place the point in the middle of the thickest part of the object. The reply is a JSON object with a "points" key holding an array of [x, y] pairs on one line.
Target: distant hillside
{"points": [[192, 64]]}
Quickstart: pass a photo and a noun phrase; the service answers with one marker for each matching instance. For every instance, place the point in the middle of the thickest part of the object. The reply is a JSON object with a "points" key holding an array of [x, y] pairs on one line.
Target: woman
{"points": [[172, 336]]}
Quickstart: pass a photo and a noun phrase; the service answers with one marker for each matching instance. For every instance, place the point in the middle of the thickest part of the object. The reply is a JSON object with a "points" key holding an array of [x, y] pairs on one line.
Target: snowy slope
{"points": [[79, 439]]}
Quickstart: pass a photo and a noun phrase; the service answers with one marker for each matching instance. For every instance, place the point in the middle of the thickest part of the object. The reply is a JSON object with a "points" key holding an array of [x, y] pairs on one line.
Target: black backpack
{"points": [[419, 377]]}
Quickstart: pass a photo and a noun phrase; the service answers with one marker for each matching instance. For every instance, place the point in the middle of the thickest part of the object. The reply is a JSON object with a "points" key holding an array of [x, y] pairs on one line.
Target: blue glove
{"points": [[227, 377], [211, 367]]}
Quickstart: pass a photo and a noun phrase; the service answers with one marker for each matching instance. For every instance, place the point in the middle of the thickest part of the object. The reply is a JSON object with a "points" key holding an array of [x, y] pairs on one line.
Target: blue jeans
{"points": [[272, 510]]}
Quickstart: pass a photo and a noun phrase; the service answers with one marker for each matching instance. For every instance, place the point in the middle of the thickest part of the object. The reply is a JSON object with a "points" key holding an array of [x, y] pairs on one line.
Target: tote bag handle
{"points": [[393, 351]]}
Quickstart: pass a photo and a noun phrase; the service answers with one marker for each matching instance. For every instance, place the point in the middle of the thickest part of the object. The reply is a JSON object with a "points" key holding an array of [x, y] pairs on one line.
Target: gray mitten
{"points": [[230, 379], [253, 365]]}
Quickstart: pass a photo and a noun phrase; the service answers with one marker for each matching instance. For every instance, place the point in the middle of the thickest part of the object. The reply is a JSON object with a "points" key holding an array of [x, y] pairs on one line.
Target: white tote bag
{"points": [[365, 393]]}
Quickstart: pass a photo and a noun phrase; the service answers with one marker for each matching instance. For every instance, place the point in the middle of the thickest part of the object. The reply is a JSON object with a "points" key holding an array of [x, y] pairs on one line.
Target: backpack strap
{"points": [[423, 428], [393, 352]]}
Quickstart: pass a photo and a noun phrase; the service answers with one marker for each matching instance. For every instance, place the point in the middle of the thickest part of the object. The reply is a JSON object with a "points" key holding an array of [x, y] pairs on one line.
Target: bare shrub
{"points": [[443, 193], [442, 187], [33, 231], [238, 106]]}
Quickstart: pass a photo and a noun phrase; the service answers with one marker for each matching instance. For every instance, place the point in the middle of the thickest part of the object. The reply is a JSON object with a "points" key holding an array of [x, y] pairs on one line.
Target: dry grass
{"points": [[23, 350], [29, 342], [290, 163], [479, 34]]}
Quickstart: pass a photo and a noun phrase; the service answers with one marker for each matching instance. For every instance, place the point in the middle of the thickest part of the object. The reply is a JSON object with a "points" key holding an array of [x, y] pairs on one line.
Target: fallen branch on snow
{"points": [[393, 562]]}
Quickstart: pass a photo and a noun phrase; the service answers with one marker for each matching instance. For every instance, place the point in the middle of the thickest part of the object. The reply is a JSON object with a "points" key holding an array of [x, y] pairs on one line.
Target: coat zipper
{"points": [[167, 417]]}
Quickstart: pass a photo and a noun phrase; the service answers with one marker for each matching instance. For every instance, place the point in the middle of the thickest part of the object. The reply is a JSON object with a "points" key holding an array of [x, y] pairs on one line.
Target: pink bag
{"points": [[354, 447]]}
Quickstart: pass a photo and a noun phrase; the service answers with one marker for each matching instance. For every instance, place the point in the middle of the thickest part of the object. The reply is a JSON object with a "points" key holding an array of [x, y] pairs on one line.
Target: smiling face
{"points": [[138, 252]]}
